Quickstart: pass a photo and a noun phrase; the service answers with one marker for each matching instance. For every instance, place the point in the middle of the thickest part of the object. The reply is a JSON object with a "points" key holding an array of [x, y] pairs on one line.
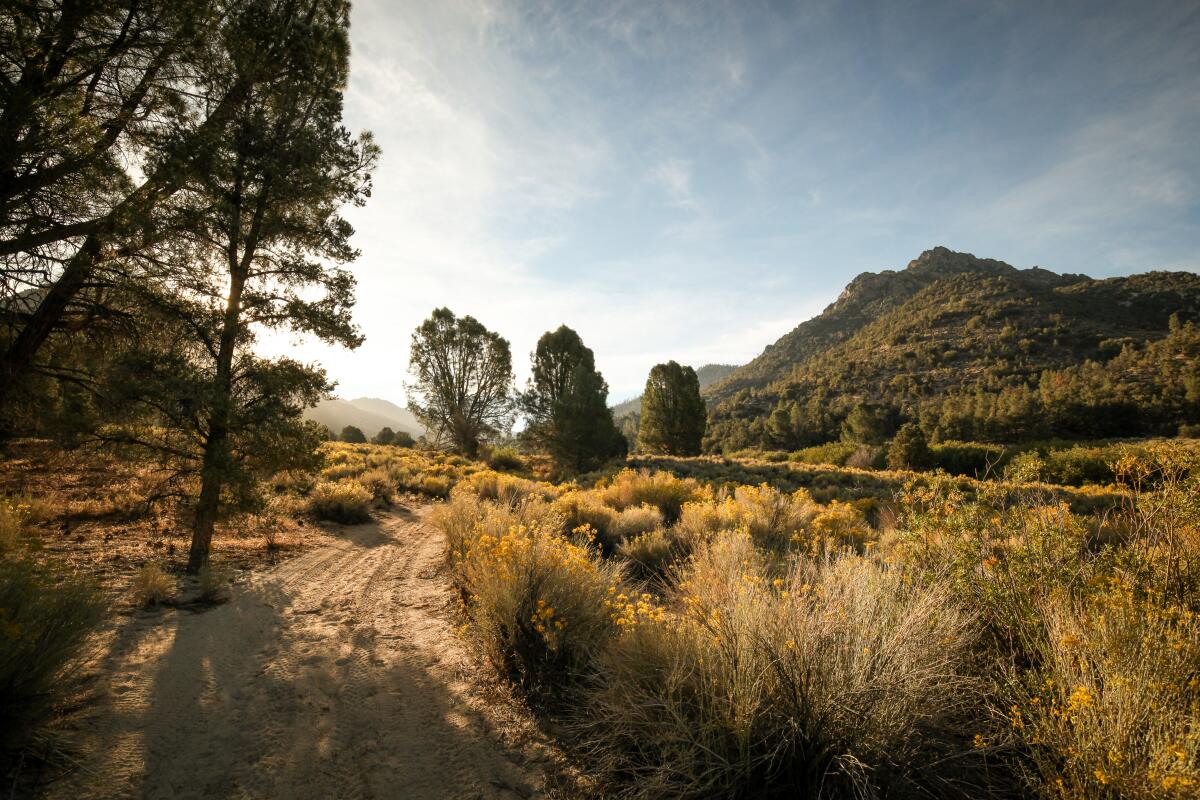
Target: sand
{"points": [[336, 674]]}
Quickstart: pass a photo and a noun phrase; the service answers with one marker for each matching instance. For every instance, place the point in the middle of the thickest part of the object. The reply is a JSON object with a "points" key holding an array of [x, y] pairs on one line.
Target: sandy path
{"points": [[335, 674]]}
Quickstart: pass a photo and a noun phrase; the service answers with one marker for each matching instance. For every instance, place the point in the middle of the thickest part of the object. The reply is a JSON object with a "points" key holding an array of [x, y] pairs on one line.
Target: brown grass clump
{"points": [[45, 618], [152, 586]]}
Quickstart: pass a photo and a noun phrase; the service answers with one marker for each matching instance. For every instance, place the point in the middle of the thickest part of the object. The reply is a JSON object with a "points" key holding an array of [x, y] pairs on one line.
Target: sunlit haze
{"points": [[691, 180]]}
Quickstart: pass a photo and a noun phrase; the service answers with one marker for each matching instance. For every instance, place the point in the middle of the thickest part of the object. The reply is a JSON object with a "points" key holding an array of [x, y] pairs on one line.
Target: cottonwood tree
{"points": [[108, 110], [673, 413], [267, 251], [566, 404], [462, 388]]}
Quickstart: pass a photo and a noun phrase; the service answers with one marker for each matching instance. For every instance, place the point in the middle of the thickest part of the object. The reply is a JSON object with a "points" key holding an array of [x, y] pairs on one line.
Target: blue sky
{"points": [[691, 180]]}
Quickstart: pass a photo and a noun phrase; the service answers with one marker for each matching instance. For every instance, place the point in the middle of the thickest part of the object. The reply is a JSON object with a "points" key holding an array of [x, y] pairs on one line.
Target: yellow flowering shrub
{"points": [[663, 490], [1114, 708], [346, 501], [535, 602]]}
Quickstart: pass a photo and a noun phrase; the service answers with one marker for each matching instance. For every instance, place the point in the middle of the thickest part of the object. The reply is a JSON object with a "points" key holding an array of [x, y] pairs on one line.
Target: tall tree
{"points": [[673, 413], [462, 381], [567, 404], [89, 88], [266, 251]]}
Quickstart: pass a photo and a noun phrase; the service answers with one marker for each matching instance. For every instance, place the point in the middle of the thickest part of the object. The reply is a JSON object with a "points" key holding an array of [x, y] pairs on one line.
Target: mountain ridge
{"points": [[946, 322]]}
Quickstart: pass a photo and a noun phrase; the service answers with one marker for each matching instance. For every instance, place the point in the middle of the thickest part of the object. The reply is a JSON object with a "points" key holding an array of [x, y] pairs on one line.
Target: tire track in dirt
{"points": [[336, 674]]}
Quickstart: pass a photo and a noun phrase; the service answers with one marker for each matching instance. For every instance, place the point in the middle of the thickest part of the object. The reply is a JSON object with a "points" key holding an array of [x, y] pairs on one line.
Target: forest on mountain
{"points": [[972, 348]]}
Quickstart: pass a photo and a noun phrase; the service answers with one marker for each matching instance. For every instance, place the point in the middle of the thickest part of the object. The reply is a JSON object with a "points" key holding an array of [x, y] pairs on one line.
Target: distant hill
{"points": [[708, 375], [949, 324], [370, 414]]}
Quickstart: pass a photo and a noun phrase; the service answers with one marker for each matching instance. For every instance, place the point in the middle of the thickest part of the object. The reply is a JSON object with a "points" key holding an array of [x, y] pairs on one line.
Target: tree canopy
{"points": [[566, 404], [673, 415], [462, 381]]}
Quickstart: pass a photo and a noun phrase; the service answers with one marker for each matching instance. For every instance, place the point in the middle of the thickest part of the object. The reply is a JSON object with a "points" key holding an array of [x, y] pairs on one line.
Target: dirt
{"points": [[334, 674]]}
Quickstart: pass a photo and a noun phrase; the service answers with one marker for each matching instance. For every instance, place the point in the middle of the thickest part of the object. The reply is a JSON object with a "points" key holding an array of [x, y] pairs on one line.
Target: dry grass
{"points": [[152, 586], [834, 679]]}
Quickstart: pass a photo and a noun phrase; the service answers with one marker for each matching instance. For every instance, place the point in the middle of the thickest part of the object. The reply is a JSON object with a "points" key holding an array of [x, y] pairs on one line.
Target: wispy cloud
{"points": [[690, 179], [674, 177]]}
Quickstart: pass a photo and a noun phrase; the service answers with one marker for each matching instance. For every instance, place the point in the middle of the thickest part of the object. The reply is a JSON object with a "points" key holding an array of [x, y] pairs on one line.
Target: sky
{"points": [[692, 180]]}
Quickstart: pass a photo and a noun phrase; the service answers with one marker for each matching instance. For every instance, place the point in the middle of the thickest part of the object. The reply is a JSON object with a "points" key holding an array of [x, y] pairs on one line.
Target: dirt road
{"points": [[334, 675]]}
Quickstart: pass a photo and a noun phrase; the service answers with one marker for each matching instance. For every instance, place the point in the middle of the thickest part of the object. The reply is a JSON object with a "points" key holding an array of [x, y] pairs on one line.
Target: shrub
{"points": [[584, 508], [347, 502], [773, 519], [435, 485], [1114, 710], [44, 622], [379, 483], [662, 489], [505, 459], [507, 489], [832, 453], [651, 555], [841, 524], [867, 456], [967, 458], [835, 680], [635, 520], [538, 605], [152, 586]]}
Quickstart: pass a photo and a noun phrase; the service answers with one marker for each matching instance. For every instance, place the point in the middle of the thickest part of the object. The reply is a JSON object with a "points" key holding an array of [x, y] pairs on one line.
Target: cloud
{"points": [[674, 176]]}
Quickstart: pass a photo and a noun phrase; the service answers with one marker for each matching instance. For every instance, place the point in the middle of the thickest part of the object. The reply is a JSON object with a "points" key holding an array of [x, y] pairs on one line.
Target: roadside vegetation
{"points": [[734, 640]]}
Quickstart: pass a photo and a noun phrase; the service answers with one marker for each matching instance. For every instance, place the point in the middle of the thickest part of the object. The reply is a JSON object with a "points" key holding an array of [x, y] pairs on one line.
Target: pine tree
{"points": [[673, 413], [909, 449], [567, 404]]}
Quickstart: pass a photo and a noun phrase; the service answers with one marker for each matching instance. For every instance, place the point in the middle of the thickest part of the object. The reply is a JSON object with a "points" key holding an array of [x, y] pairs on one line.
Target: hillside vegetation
{"points": [[976, 349]]}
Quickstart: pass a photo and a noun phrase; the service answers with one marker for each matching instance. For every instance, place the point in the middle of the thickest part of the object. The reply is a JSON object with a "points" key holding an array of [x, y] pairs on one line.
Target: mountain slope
{"points": [[369, 414], [948, 323]]}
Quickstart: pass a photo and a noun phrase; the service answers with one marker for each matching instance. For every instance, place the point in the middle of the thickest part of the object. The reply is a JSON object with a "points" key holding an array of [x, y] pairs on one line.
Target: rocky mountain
{"points": [[946, 324], [370, 414], [707, 375]]}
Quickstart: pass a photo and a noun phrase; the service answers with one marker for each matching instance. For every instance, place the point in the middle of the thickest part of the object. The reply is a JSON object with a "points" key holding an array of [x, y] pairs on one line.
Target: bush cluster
{"points": [[743, 640]]}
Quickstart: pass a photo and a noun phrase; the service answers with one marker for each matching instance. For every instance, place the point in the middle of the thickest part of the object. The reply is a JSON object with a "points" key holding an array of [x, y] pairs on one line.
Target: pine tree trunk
{"points": [[215, 461]]}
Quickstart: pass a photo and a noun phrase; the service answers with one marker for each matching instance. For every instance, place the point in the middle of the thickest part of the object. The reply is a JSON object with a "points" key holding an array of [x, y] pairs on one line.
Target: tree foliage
{"points": [[909, 449], [462, 381], [262, 246], [673, 414], [566, 404]]}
